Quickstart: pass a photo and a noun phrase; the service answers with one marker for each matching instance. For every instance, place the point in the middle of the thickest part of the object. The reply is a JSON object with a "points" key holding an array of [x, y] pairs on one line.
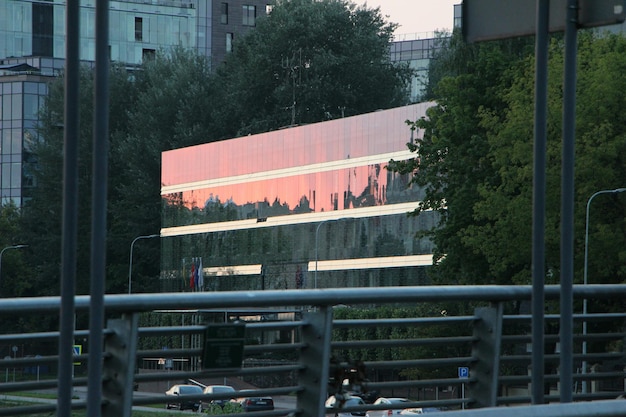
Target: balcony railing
{"points": [[301, 346]]}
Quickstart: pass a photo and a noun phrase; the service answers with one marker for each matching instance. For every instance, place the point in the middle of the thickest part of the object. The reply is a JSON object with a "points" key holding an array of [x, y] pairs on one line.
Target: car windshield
{"points": [[190, 390], [223, 389]]}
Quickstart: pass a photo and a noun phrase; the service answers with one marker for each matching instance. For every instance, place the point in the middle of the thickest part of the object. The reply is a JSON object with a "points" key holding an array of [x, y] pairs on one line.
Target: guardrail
{"points": [[309, 344]]}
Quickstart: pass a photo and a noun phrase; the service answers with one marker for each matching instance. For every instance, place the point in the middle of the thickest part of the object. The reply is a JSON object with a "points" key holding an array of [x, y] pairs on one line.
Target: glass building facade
{"points": [[137, 28], [20, 99], [32, 52], [304, 207]]}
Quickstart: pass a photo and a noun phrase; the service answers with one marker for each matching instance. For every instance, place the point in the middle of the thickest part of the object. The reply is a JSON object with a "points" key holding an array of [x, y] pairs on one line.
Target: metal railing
{"points": [[301, 346]]}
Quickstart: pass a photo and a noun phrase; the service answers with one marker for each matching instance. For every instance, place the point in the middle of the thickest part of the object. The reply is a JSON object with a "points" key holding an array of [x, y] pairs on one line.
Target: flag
{"points": [[200, 276], [193, 273], [196, 277]]}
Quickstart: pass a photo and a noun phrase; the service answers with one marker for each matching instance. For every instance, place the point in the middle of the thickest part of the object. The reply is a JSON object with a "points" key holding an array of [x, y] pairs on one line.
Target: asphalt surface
{"points": [[280, 402]]}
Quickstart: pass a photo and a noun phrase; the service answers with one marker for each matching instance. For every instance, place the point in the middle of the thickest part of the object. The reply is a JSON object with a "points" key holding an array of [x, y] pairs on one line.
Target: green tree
{"points": [[505, 205], [42, 214], [310, 61], [171, 110], [454, 155], [476, 160], [14, 279]]}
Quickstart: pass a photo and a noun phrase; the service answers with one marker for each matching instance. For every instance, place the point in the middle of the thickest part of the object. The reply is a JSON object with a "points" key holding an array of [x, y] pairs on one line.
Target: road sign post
{"points": [[463, 372]]}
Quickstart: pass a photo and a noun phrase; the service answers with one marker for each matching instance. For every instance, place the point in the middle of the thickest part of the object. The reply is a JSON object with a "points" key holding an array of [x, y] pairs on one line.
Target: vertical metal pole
{"points": [[99, 209], [539, 200], [317, 234], [488, 335], [119, 365], [567, 203], [70, 208], [317, 335]]}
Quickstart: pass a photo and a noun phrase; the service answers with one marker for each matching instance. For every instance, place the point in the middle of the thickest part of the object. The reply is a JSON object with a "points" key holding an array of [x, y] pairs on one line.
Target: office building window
{"points": [[138, 29], [224, 13], [229, 42], [147, 54], [249, 15]]}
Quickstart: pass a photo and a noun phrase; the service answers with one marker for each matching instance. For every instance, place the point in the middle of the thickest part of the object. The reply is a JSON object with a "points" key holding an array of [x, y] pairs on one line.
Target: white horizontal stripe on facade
{"points": [[355, 213], [371, 263], [289, 172], [334, 265], [222, 271]]}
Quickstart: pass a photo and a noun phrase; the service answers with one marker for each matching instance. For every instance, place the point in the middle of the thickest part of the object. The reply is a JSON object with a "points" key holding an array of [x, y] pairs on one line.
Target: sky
{"points": [[416, 16]]}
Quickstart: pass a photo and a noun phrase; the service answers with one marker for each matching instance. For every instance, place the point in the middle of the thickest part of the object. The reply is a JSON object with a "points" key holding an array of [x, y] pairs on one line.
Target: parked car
{"points": [[416, 411], [388, 412], [220, 389], [254, 403], [184, 389], [350, 401]]}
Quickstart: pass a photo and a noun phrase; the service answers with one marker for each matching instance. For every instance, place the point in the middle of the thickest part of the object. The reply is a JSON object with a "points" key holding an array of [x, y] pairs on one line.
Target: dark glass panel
{"points": [[42, 29]]}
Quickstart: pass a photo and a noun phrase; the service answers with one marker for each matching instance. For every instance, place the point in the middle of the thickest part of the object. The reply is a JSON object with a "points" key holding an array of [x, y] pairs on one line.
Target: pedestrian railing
{"points": [[305, 345]]}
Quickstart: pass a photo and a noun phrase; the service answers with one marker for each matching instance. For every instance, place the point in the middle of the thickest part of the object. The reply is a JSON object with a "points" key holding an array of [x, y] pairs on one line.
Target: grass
{"points": [[6, 403]]}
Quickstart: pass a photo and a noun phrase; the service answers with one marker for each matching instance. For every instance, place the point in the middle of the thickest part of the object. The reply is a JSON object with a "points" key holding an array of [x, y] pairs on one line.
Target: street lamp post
{"points": [[317, 233], [2, 252], [585, 281], [130, 263]]}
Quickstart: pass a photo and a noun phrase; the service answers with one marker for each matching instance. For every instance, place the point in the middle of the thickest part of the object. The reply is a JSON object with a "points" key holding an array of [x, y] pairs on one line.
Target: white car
{"points": [[389, 412], [416, 411], [350, 401]]}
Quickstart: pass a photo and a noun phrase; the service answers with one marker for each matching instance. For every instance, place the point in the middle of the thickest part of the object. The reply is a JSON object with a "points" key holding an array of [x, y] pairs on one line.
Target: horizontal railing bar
{"points": [[274, 347], [579, 317], [577, 337], [418, 362], [200, 329], [402, 321], [14, 363], [323, 297], [417, 383], [601, 408], [361, 344], [17, 337], [183, 375], [523, 379], [556, 357]]}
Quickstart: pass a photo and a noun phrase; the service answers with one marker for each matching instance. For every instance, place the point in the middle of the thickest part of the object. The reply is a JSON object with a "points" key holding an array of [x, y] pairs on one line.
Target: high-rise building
{"points": [[310, 206], [32, 51]]}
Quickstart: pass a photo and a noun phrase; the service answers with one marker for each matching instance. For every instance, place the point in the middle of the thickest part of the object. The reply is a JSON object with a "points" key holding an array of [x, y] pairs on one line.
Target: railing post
{"points": [[315, 356], [120, 349], [595, 383], [483, 387]]}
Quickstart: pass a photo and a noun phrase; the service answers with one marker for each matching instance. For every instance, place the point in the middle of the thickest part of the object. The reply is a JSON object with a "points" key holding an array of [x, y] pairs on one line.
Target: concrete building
{"points": [[310, 206]]}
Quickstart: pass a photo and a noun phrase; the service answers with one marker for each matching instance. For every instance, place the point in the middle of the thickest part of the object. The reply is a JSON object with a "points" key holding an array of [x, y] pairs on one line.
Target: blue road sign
{"points": [[463, 372]]}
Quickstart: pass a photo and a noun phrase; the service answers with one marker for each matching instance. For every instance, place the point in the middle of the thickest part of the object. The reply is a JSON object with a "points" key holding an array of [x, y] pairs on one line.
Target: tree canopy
{"points": [[310, 61], [476, 160]]}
